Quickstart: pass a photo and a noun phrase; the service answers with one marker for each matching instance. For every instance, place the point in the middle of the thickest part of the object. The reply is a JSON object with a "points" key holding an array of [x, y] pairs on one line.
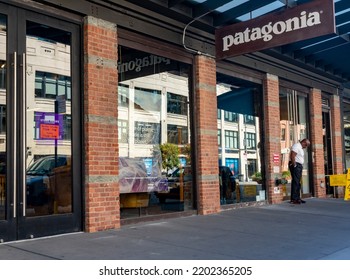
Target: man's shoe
{"points": [[295, 202], [302, 201]]}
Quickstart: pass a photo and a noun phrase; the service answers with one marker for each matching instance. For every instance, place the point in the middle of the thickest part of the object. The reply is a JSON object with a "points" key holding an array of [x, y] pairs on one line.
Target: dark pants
{"points": [[296, 173]]}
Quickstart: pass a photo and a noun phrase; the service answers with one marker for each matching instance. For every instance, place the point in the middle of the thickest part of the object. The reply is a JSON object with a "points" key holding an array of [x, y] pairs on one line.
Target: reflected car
{"points": [[39, 177]]}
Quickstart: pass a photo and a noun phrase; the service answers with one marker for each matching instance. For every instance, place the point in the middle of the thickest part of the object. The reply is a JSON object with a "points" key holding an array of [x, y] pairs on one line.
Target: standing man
{"points": [[296, 168]]}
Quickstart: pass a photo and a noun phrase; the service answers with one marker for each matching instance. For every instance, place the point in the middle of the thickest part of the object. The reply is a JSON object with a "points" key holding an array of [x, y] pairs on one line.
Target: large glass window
{"points": [[123, 129], [177, 134], [249, 119], [177, 104], [147, 99], [155, 175], [48, 121], [50, 85], [147, 133], [123, 96], [250, 140], [219, 114], [251, 167], [219, 137], [231, 139], [230, 117], [238, 134]]}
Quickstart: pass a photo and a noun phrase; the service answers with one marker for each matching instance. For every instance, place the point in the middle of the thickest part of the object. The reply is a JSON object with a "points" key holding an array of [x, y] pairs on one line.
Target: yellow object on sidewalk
{"points": [[341, 180]]}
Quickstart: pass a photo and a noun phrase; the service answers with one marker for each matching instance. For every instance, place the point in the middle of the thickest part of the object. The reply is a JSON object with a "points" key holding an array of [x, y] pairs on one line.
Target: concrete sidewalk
{"points": [[316, 230]]}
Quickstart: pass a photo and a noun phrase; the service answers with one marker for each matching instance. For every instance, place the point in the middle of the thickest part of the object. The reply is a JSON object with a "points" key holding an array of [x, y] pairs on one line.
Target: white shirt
{"points": [[298, 149]]}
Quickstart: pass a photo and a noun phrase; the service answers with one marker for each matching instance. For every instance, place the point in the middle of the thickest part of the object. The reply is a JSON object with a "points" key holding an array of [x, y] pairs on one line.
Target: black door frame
{"points": [[16, 225]]}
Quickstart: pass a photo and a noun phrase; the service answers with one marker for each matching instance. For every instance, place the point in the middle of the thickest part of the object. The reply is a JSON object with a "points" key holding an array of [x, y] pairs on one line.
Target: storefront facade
{"points": [[107, 118]]}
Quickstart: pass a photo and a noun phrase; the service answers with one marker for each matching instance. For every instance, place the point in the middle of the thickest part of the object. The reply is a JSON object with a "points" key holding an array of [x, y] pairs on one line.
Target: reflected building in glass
{"points": [[153, 100]]}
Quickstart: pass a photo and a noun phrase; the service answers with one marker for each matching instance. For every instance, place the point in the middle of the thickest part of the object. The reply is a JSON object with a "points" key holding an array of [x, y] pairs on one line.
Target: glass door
{"points": [[40, 166], [7, 228], [294, 127]]}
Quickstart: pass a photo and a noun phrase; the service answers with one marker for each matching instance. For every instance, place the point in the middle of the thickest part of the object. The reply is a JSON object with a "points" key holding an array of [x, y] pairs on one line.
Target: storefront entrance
{"points": [[40, 157], [294, 127]]}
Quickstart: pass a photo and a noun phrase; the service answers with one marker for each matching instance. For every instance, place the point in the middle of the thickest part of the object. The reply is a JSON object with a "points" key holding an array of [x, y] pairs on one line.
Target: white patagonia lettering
{"points": [[138, 63], [268, 31]]}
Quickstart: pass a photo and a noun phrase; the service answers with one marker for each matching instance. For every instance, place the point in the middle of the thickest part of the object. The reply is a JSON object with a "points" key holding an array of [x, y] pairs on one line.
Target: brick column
{"points": [[100, 125], [272, 132], [316, 138], [337, 141], [207, 139]]}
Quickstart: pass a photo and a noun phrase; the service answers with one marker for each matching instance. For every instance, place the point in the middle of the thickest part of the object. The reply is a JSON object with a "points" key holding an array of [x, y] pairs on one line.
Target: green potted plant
{"points": [[286, 175], [287, 179], [169, 155], [257, 177]]}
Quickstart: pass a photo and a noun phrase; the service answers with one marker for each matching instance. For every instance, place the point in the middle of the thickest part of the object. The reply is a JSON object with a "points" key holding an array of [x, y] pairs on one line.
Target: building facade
{"points": [[110, 117]]}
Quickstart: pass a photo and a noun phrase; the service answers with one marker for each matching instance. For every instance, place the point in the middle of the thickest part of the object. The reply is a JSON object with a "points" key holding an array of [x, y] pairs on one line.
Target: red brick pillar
{"points": [[100, 125], [337, 142], [316, 138], [272, 132], [207, 139]]}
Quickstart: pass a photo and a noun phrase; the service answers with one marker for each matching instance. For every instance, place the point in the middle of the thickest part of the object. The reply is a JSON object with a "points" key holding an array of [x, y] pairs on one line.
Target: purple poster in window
{"points": [[48, 126]]}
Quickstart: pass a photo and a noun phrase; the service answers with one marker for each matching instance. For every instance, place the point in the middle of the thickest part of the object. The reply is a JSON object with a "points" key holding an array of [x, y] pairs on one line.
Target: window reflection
{"points": [[177, 134], [249, 119], [294, 127], [230, 116], [155, 174], [49, 121], [177, 104], [250, 140], [238, 137], [49, 185], [231, 139], [123, 95], [123, 131], [147, 133], [49, 85], [147, 99]]}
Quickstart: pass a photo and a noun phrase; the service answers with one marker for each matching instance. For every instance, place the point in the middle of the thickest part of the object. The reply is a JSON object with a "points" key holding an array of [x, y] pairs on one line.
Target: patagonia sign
{"points": [[291, 25], [138, 63]]}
